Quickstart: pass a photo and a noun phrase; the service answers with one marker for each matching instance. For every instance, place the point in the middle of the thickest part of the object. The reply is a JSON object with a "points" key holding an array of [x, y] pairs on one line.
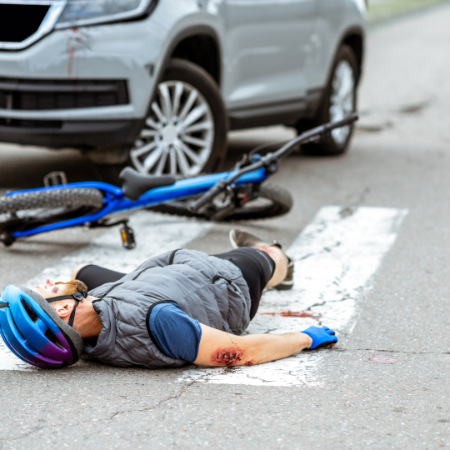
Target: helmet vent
{"points": [[33, 316], [52, 338], [17, 328]]}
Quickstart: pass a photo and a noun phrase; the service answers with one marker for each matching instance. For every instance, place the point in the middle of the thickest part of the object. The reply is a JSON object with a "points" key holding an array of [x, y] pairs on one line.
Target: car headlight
{"points": [[88, 12]]}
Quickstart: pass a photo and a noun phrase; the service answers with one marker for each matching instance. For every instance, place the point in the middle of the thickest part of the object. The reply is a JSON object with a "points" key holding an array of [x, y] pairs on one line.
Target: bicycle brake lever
{"points": [[240, 163], [208, 196]]}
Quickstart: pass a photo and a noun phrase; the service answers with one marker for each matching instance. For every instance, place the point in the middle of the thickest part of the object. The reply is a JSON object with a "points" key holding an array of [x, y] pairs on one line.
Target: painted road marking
{"points": [[155, 234], [335, 256]]}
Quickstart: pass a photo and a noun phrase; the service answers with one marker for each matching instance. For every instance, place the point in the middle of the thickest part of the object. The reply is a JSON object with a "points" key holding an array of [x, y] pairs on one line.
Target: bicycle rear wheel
{"points": [[273, 201], [30, 210]]}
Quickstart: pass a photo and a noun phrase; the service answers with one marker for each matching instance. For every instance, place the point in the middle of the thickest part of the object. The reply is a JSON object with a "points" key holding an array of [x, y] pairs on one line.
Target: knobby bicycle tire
{"points": [[279, 203], [46, 207], [51, 199]]}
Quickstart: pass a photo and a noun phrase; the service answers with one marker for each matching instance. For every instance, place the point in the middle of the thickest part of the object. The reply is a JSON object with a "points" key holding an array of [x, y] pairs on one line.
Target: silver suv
{"points": [[159, 83]]}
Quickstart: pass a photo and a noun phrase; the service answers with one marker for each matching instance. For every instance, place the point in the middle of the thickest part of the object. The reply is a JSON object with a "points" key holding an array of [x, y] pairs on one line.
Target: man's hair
{"points": [[70, 287]]}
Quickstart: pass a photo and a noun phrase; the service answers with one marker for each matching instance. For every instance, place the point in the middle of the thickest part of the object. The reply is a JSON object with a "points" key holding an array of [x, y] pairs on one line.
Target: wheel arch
{"points": [[354, 38], [186, 46], [179, 43]]}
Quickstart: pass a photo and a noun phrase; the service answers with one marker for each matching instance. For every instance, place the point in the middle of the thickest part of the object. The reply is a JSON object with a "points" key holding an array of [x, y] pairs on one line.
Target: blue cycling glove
{"points": [[321, 336]]}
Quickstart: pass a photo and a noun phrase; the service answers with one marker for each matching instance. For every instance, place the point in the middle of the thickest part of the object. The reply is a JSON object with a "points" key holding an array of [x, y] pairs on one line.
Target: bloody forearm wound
{"points": [[230, 356]]}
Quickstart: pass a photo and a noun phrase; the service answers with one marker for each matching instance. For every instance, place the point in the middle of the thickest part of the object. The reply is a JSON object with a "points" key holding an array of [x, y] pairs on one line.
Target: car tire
{"points": [[198, 147], [339, 100]]}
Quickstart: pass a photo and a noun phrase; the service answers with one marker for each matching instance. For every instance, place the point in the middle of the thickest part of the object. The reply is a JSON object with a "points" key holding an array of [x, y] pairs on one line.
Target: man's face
{"points": [[49, 289]]}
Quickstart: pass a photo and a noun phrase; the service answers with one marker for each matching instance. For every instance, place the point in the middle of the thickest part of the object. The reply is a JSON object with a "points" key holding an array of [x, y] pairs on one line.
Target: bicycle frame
{"points": [[208, 186], [115, 201]]}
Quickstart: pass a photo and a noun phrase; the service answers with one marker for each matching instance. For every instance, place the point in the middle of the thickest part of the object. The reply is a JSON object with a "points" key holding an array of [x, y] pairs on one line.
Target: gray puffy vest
{"points": [[210, 290]]}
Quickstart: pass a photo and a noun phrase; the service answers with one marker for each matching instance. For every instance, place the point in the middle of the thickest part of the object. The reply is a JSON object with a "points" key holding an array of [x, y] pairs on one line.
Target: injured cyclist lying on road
{"points": [[179, 307]]}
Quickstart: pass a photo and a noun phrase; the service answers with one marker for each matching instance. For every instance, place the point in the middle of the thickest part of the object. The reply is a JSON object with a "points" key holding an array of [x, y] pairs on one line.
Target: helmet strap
{"points": [[77, 296]]}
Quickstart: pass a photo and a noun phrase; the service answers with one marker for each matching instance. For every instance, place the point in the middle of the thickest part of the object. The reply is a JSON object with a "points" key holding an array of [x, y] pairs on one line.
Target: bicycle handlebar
{"points": [[308, 136]]}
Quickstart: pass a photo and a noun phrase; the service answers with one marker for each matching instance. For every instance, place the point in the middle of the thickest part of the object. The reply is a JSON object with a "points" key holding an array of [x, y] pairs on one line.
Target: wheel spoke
{"points": [[153, 158], [158, 112], [203, 126], [184, 165], [166, 104], [194, 141], [188, 105], [152, 124], [173, 161], [144, 149], [195, 114], [149, 133], [177, 97], [162, 162], [193, 156], [346, 88], [336, 85]]}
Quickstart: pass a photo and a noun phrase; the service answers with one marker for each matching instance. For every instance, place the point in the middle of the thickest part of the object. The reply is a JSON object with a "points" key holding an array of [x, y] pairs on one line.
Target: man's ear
{"points": [[64, 310]]}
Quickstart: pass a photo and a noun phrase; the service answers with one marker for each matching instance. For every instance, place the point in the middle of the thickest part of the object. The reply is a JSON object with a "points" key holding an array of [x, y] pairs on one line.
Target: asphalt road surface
{"points": [[370, 235]]}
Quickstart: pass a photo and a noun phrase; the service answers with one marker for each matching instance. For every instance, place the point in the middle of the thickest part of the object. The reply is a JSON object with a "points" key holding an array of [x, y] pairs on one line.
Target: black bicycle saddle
{"points": [[136, 184]]}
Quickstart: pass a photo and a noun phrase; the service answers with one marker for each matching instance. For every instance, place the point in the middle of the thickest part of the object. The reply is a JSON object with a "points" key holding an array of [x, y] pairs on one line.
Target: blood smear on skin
{"points": [[379, 358], [293, 314]]}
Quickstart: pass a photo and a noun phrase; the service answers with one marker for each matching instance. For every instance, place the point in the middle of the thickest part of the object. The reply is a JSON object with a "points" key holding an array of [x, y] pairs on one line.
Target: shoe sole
{"points": [[284, 286], [232, 241]]}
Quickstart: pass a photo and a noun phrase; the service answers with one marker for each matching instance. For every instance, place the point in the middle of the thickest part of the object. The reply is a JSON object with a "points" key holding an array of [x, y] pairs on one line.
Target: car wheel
{"points": [[185, 132], [338, 102]]}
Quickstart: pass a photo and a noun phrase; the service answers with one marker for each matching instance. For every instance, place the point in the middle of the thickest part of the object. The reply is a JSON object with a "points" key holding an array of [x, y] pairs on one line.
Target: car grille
{"points": [[32, 95], [19, 22]]}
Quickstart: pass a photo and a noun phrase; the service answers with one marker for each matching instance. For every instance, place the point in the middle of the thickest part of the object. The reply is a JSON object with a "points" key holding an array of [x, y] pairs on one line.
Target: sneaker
{"points": [[239, 238]]}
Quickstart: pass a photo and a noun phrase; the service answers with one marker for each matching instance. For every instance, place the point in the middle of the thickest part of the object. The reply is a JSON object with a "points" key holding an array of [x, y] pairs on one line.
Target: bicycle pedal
{"points": [[127, 235], [55, 179]]}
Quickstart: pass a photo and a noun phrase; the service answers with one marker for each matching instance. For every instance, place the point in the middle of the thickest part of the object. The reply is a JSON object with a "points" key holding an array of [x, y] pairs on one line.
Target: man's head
{"points": [[33, 330], [50, 290], [86, 321]]}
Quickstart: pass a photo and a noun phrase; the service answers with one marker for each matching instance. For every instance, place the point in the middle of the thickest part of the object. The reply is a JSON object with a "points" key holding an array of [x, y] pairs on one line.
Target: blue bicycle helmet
{"points": [[33, 331]]}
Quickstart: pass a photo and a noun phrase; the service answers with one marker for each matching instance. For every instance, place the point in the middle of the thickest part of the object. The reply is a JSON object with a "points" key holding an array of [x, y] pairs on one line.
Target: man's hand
{"points": [[321, 337], [218, 348]]}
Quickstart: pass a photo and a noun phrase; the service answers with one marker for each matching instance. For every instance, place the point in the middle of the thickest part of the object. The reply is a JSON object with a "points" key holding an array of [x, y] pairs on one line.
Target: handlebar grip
{"points": [[208, 196]]}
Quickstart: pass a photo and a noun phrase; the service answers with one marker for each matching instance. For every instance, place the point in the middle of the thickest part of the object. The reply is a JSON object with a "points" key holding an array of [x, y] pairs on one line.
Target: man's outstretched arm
{"points": [[218, 348]]}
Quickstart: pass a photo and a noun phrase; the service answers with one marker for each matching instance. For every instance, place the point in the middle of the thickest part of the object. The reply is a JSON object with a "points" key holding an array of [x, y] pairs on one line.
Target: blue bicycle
{"points": [[237, 195]]}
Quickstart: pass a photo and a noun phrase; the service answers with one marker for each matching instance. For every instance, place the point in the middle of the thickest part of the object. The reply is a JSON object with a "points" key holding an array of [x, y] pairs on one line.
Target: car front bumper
{"points": [[110, 52], [70, 134]]}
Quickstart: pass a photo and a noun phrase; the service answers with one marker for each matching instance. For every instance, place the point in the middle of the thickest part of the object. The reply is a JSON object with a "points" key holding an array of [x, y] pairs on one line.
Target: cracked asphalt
{"points": [[400, 158]]}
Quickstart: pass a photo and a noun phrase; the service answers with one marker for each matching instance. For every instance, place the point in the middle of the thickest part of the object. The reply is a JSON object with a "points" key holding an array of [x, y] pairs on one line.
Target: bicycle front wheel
{"points": [[30, 210], [273, 201]]}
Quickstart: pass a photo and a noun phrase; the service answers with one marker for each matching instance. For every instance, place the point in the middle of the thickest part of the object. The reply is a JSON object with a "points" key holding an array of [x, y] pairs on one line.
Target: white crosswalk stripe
{"points": [[335, 257]]}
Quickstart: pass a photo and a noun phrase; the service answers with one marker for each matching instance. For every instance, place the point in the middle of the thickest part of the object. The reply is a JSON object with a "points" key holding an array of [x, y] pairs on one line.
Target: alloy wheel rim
{"points": [[342, 102], [178, 135]]}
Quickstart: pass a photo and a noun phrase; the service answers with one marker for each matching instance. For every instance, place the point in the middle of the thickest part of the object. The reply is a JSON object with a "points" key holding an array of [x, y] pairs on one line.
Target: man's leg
{"points": [[281, 264], [77, 270], [283, 277], [94, 276], [257, 268]]}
